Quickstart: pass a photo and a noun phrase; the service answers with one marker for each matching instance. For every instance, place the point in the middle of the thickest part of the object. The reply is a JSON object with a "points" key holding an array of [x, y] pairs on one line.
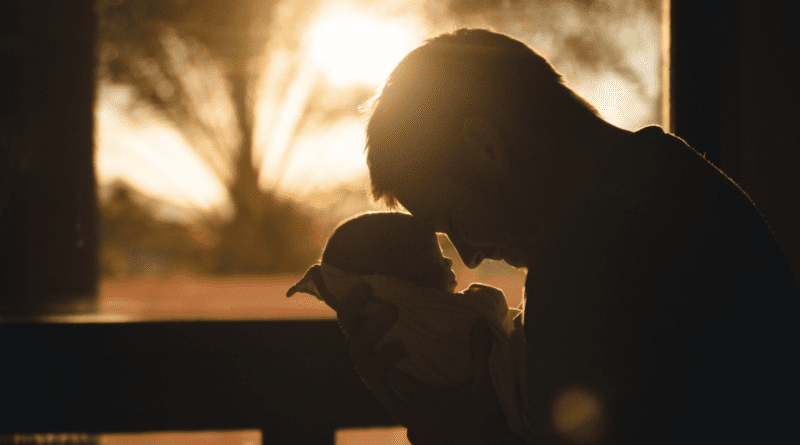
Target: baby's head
{"points": [[393, 244]]}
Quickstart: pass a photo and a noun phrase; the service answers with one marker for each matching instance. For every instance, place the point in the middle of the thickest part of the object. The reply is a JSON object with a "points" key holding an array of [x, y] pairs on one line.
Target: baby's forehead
{"points": [[419, 240], [411, 246], [382, 232]]}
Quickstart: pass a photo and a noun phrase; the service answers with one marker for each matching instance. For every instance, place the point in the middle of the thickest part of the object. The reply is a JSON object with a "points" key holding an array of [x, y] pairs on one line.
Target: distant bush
{"points": [[281, 238]]}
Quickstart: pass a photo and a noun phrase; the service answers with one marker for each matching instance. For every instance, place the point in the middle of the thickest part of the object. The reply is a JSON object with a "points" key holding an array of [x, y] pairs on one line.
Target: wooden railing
{"points": [[290, 379]]}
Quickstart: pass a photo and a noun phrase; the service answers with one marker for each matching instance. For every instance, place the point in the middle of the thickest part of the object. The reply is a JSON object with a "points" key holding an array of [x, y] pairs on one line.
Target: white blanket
{"points": [[435, 327]]}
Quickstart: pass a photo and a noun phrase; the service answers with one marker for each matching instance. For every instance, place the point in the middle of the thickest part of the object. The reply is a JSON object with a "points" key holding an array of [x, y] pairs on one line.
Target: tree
{"points": [[193, 62], [136, 242]]}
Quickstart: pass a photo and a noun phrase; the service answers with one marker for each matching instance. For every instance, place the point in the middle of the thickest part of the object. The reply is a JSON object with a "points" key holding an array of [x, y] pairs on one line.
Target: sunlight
{"points": [[325, 159], [149, 153], [279, 112], [359, 48], [306, 141]]}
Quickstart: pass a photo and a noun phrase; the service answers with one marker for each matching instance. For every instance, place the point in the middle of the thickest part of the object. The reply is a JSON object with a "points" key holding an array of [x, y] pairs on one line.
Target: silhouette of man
{"points": [[655, 290]]}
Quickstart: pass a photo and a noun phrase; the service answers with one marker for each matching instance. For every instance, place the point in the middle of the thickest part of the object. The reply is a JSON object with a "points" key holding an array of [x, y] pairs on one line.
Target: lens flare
{"points": [[578, 415]]}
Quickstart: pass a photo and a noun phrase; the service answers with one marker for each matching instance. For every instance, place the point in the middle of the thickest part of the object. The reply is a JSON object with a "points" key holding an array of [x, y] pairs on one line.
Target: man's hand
{"points": [[470, 414]]}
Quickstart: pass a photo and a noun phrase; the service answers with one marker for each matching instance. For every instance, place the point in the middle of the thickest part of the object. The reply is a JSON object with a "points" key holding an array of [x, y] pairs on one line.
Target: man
{"points": [[656, 296]]}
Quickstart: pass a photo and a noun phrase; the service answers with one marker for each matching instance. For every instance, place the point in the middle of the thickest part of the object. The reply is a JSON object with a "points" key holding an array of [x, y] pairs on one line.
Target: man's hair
{"points": [[377, 242], [452, 76]]}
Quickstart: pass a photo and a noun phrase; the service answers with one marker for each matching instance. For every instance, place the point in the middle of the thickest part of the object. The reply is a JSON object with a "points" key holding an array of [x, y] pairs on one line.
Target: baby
{"points": [[403, 263]]}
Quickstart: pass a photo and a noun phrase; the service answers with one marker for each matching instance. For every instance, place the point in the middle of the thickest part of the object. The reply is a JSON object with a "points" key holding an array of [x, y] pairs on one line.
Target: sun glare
{"points": [[359, 48], [342, 46]]}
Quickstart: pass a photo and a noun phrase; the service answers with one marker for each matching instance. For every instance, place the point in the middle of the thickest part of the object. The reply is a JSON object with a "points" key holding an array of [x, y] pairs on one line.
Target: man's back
{"points": [[667, 298]]}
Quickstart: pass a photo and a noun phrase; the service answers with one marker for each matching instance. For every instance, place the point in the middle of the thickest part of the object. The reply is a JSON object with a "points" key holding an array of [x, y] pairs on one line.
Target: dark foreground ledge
{"points": [[292, 380]]}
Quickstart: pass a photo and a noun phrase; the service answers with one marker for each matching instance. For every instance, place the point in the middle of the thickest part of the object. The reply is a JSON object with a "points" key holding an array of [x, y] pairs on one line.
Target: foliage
{"points": [[188, 60], [135, 242]]}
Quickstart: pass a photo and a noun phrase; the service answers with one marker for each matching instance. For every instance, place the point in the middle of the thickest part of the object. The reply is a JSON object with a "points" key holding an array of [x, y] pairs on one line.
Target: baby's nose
{"points": [[448, 261]]}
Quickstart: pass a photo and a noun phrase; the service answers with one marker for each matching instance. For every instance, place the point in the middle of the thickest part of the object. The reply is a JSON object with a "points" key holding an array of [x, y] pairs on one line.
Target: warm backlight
{"points": [[358, 48]]}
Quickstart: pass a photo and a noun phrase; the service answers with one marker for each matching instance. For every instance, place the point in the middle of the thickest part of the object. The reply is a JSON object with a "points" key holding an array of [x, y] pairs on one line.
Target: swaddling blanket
{"points": [[435, 328]]}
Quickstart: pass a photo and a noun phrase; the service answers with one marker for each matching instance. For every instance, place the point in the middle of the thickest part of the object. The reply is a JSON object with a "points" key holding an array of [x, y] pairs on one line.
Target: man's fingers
{"points": [[350, 308], [371, 332]]}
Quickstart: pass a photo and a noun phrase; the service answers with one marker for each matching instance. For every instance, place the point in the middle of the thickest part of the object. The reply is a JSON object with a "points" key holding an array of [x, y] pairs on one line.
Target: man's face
{"points": [[475, 198], [470, 216]]}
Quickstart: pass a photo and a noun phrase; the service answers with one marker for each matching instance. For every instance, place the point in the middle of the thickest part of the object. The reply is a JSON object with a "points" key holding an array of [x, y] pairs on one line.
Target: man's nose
{"points": [[472, 256]]}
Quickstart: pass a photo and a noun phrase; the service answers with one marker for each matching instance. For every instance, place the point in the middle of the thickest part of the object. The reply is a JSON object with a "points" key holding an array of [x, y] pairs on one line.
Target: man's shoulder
{"points": [[664, 218]]}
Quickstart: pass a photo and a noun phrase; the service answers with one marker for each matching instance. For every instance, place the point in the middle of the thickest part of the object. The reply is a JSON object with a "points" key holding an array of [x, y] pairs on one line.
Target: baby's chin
{"points": [[451, 288]]}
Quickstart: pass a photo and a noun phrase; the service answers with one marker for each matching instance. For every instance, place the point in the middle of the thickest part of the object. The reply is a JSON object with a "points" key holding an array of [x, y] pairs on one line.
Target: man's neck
{"points": [[565, 185], [591, 148]]}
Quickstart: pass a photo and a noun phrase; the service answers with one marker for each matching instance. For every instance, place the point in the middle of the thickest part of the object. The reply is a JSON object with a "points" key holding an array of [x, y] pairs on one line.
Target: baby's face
{"points": [[437, 269]]}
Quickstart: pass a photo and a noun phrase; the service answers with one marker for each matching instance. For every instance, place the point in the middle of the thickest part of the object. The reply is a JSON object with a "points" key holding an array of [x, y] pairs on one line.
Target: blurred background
{"points": [[229, 141]]}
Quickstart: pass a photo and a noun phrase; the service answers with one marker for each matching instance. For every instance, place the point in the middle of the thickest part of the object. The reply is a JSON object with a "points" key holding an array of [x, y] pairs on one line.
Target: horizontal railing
{"points": [[292, 380]]}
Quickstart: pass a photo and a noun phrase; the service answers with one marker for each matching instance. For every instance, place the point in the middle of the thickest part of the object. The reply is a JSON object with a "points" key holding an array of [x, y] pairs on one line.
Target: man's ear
{"points": [[483, 138]]}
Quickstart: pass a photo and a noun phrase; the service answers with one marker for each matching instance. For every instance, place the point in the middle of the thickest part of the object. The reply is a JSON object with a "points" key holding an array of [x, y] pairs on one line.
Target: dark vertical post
{"points": [[734, 96], [704, 78], [770, 115], [48, 209]]}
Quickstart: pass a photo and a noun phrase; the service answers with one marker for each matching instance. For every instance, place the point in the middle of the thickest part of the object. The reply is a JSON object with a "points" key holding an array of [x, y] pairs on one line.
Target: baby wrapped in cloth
{"points": [[403, 264]]}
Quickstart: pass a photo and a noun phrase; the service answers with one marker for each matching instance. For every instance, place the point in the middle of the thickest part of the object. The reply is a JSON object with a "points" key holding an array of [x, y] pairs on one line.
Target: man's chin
{"points": [[515, 259]]}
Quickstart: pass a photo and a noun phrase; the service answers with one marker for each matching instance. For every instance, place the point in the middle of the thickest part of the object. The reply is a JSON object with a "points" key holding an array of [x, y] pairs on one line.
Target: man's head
{"points": [[425, 102], [390, 243], [453, 118]]}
